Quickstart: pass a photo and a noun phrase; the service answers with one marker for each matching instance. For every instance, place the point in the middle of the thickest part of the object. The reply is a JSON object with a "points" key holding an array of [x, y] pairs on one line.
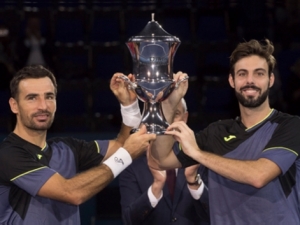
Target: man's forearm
{"points": [[119, 141], [131, 117], [84, 185], [161, 147], [163, 144], [78, 189], [256, 173], [123, 134]]}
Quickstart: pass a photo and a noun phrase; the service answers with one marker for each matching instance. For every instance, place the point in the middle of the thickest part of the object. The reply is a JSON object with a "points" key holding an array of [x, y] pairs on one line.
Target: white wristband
{"points": [[118, 161], [131, 115]]}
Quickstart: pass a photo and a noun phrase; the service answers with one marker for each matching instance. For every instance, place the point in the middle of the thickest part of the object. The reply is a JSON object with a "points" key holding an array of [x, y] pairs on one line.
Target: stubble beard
{"points": [[251, 102], [30, 124]]}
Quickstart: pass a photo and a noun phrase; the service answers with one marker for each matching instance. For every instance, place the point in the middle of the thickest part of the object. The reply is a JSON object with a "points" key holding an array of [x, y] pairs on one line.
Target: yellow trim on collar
{"points": [[261, 120], [44, 146]]}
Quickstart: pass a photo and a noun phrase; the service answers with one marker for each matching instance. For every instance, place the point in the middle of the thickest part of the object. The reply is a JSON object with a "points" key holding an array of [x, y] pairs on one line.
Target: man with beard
{"points": [[252, 162], [43, 181]]}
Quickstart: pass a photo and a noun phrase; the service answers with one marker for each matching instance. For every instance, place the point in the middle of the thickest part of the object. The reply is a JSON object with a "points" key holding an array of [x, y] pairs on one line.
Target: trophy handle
{"points": [[131, 85], [178, 82]]}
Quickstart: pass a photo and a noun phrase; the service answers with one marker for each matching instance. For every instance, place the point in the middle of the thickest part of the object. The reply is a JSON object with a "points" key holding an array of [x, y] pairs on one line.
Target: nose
{"points": [[42, 104], [250, 79]]}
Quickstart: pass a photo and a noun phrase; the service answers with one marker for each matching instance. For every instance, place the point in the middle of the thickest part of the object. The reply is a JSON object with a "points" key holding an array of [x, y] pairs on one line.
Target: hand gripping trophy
{"points": [[152, 52]]}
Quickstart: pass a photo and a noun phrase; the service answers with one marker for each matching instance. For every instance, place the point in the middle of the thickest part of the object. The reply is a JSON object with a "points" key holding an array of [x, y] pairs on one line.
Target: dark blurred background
{"points": [[83, 43]]}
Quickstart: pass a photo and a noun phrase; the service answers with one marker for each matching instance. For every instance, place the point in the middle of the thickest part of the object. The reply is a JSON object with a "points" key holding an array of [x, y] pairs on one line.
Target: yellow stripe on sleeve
{"points": [[267, 149], [28, 173], [98, 148]]}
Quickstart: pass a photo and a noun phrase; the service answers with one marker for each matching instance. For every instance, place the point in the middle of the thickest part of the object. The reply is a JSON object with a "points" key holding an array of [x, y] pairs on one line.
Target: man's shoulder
{"points": [[63, 140], [10, 143], [285, 119], [10, 150], [57, 139], [281, 116]]}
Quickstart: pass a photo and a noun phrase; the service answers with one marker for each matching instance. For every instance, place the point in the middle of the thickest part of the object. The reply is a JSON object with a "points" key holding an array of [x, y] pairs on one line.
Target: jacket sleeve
{"points": [[202, 205], [135, 203]]}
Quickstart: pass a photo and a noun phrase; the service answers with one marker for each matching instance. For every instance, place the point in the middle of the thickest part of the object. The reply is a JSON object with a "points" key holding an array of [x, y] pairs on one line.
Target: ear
{"points": [[272, 80], [13, 105], [230, 80]]}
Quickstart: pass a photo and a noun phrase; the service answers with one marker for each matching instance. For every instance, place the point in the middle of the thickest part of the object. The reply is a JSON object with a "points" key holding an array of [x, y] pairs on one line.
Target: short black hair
{"points": [[37, 71]]}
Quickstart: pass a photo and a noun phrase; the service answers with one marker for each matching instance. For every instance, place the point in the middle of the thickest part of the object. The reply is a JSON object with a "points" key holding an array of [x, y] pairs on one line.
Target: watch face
{"points": [[197, 179]]}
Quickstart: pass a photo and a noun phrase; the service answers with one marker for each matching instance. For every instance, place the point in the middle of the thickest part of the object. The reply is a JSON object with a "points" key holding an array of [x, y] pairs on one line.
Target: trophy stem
{"points": [[153, 118]]}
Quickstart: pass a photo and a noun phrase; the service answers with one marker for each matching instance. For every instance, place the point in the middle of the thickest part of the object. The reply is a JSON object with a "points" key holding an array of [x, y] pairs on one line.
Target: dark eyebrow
{"points": [[241, 70], [260, 69], [49, 94], [31, 95], [34, 95]]}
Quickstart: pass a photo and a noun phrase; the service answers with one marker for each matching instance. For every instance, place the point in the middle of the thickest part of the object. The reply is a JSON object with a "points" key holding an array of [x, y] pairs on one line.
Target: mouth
{"points": [[250, 90], [42, 116]]}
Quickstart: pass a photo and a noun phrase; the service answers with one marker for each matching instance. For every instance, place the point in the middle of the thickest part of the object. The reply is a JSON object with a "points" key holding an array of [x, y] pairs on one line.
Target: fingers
{"points": [[120, 87], [180, 75], [143, 130], [117, 76], [150, 137], [142, 137], [116, 79], [177, 127], [180, 131], [131, 77]]}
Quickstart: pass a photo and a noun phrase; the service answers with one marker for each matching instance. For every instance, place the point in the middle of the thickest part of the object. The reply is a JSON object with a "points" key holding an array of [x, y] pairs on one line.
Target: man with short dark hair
{"points": [[43, 181], [252, 162]]}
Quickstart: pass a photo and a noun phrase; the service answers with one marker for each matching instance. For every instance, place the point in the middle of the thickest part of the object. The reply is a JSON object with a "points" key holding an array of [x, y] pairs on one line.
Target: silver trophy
{"points": [[152, 52]]}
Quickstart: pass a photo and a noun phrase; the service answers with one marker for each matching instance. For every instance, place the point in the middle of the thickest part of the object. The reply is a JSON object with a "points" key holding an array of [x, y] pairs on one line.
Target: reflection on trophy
{"points": [[152, 52]]}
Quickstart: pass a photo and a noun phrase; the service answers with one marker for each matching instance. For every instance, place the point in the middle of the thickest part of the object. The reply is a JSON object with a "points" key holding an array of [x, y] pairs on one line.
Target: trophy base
{"points": [[151, 129]]}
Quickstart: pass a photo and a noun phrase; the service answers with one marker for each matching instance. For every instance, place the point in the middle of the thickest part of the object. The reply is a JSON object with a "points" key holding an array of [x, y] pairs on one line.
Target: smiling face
{"points": [[251, 81], [35, 104]]}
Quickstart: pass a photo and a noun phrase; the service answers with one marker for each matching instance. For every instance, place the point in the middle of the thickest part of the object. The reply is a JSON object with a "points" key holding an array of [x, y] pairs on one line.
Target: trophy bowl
{"points": [[152, 52]]}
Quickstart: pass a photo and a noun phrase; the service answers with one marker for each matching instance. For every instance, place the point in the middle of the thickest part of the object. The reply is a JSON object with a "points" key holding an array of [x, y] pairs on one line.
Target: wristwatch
{"points": [[197, 181]]}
